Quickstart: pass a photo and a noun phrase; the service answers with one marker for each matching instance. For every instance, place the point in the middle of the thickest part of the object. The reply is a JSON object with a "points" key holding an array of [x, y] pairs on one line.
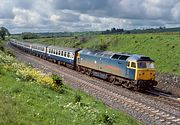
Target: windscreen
{"points": [[145, 64]]}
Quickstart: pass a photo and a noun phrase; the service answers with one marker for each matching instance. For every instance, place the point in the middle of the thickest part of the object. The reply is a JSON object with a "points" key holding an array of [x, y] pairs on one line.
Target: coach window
{"points": [[61, 53], [64, 54], [133, 64], [56, 52], [71, 55], [68, 55]]}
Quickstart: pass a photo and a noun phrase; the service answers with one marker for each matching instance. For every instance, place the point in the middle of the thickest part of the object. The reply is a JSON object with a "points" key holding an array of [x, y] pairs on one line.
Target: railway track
{"points": [[148, 108], [172, 100]]}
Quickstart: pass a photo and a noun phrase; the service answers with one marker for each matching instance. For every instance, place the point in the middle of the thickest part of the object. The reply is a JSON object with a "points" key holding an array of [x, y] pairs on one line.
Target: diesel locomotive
{"points": [[129, 70]]}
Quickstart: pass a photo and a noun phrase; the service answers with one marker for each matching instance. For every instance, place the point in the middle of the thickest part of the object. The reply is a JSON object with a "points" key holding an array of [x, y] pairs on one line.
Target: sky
{"points": [[87, 15]]}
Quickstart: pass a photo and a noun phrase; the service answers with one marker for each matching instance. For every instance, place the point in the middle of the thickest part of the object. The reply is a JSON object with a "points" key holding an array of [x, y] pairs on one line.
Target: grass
{"points": [[25, 101], [29, 103], [162, 47]]}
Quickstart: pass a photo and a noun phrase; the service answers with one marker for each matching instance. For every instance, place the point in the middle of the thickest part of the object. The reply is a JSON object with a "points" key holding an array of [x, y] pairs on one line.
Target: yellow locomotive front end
{"points": [[145, 74], [145, 70]]}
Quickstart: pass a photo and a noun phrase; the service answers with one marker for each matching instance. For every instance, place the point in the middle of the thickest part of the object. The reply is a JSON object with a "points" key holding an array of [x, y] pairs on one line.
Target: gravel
{"points": [[169, 83]]}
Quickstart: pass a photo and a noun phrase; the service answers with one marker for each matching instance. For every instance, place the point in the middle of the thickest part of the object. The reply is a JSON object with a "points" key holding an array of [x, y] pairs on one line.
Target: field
{"points": [[28, 96], [162, 47]]}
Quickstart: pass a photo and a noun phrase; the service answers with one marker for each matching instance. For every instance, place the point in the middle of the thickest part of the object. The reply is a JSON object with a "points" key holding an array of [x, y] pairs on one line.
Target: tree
{"points": [[29, 35], [4, 32], [113, 30]]}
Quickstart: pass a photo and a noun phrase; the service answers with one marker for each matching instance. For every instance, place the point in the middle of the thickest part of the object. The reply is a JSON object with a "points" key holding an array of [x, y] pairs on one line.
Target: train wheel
{"points": [[111, 79], [78, 68], [127, 85], [89, 72], [83, 70]]}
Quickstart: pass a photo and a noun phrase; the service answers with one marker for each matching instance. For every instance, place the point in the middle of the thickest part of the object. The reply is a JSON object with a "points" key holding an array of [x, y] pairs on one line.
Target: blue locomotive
{"points": [[129, 70]]}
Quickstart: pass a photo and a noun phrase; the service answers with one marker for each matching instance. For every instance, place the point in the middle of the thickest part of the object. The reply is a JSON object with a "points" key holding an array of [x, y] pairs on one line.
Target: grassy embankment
{"points": [[164, 48], [28, 96]]}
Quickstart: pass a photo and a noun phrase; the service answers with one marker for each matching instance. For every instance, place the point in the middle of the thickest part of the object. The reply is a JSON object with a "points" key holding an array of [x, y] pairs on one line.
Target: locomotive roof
{"points": [[109, 54], [117, 55], [136, 58]]}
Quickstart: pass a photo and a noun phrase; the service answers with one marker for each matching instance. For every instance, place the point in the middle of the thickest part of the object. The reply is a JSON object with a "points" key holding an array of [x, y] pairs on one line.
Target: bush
{"points": [[77, 98], [10, 53], [108, 120], [57, 80], [1, 70], [61, 91], [2, 48]]}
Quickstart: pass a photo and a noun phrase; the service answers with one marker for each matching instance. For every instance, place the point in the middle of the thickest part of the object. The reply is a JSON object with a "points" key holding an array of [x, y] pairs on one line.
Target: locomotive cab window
{"points": [[145, 64], [133, 64]]}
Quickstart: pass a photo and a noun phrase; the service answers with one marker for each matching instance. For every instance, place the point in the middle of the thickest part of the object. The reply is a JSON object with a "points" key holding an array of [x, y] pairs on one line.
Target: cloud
{"points": [[6, 10], [176, 12], [26, 18], [82, 15], [23, 4], [55, 18]]}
